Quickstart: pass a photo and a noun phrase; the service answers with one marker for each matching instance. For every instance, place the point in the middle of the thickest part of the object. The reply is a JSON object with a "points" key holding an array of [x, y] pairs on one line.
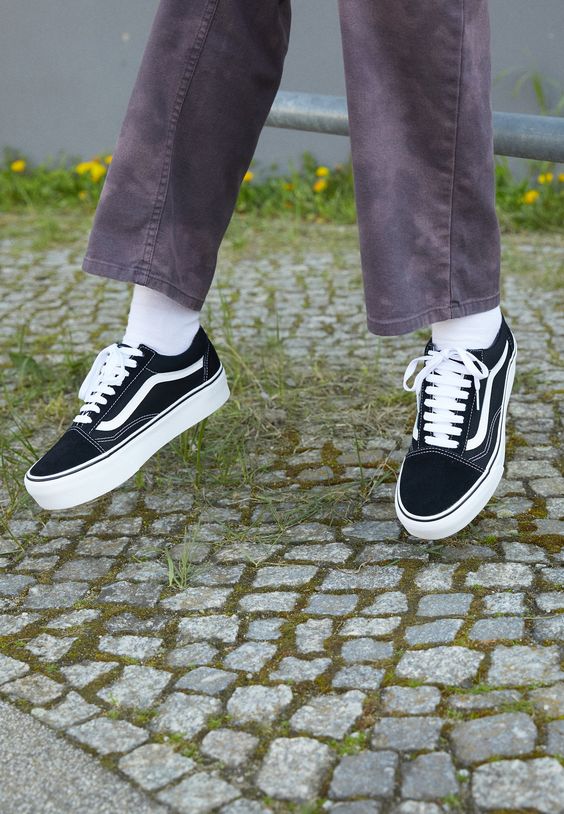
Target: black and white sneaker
{"points": [[456, 457], [135, 401]]}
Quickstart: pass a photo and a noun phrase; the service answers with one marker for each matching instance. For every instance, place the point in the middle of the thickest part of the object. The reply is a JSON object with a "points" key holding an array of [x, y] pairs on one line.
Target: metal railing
{"points": [[515, 134]]}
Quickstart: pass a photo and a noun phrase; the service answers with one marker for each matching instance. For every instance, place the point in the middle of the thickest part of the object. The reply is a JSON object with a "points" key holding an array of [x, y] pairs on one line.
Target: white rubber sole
{"points": [[82, 484], [469, 506]]}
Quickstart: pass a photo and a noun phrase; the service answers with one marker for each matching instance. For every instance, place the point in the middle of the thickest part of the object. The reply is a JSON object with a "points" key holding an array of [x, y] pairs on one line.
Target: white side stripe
{"points": [[482, 430], [143, 392]]}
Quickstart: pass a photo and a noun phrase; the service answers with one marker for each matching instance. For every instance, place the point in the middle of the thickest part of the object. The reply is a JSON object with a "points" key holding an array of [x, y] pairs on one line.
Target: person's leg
{"points": [[208, 77], [207, 80], [418, 88]]}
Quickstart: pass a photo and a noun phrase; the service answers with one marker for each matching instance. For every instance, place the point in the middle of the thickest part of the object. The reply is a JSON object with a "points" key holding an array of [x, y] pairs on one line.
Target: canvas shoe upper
{"points": [[135, 401], [455, 460]]}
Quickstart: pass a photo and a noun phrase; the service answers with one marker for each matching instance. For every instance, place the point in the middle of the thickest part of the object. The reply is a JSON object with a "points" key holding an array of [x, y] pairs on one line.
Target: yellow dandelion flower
{"points": [[83, 167], [248, 177], [82, 195], [322, 172], [108, 159], [549, 178], [97, 171], [320, 185], [288, 186], [18, 165], [561, 177], [531, 196], [541, 179]]}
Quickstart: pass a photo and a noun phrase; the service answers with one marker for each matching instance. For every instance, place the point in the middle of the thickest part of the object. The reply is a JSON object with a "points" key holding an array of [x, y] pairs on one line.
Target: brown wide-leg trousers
{"points": [[418, 89]]}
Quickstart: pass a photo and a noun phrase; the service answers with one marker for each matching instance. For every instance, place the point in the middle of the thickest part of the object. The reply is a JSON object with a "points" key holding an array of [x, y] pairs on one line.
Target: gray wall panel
{"points": [[68, 66]]}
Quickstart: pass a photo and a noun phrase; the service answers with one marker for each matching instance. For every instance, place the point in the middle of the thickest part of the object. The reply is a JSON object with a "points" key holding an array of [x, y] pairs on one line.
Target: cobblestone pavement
{"points": [[303, 660]]}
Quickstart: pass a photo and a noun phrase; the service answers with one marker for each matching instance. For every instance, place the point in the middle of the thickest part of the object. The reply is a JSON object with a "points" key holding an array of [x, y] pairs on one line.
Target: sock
{"points": [[160, 323], [477, 331]]}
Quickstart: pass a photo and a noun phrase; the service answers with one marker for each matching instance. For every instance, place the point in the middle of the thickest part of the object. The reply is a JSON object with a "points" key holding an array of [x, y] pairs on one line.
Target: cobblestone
{"points": [[444, 605], [199, 794], [311, 635], [192, 655], [207, 680], [484, 700], [137, 687], [276, 601], [265, 629], [366, 650], [549, 700], [442, 630], [518, 784], [331, 552], [387, 602], [72, 710], [293, 669], [250, 657], [106, 736], [81, 675], [555, 738], [275, 576], [371, 774], [505, 735], [154, 765], [332, 604], [369, 578], [263, 678], [185, 715], [258, 704], [294, 769], [141, 594], [429, 777], [406, 734], [11, 668], [518, 665], [489, 630], [197, 599], [208, 628], [9, 625], [329, 716], [361, 677], [370, 627], [230, 747], [455, 665], [37, 689], [504, 603], [134, 647], [411, 700], [501, 575]]}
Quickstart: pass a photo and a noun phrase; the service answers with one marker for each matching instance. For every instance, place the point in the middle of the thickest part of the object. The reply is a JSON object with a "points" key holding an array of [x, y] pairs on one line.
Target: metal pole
{"points": [[515, 134]]}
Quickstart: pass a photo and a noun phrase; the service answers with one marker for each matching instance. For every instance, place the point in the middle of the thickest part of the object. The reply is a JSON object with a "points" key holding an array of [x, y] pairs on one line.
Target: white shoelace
{"points": [[108, 371], [447, 372]]}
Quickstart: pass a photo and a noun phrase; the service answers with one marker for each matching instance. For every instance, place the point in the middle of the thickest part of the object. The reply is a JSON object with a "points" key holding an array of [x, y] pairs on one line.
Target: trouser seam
{"points": [[135, 273], [421, 314], [421, 318], [190, 66], [454, 153]]}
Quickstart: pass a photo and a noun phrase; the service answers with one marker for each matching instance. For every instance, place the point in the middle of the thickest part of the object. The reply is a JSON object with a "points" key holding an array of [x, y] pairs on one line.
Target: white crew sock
{"points": [[160, 323], [478, 331]]}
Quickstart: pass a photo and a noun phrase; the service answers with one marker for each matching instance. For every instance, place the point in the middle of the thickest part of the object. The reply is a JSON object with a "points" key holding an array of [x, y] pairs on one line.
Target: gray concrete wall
{"points": [[68, 67]]}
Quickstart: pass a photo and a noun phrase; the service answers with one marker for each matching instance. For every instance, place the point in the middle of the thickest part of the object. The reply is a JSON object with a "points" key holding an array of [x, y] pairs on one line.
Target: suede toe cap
{"points": [[432, 482], [71, 450]]}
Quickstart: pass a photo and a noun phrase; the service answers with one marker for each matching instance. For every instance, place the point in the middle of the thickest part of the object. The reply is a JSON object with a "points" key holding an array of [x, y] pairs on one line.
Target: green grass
{"points": [[309, 192]]}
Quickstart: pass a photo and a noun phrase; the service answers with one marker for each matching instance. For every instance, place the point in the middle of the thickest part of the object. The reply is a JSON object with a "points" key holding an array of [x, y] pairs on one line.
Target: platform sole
{"points": [[90, 481]]}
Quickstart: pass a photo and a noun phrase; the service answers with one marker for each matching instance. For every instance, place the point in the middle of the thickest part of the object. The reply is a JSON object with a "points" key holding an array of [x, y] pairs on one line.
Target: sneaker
{"points": [[456, 457], [135, 401]]}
